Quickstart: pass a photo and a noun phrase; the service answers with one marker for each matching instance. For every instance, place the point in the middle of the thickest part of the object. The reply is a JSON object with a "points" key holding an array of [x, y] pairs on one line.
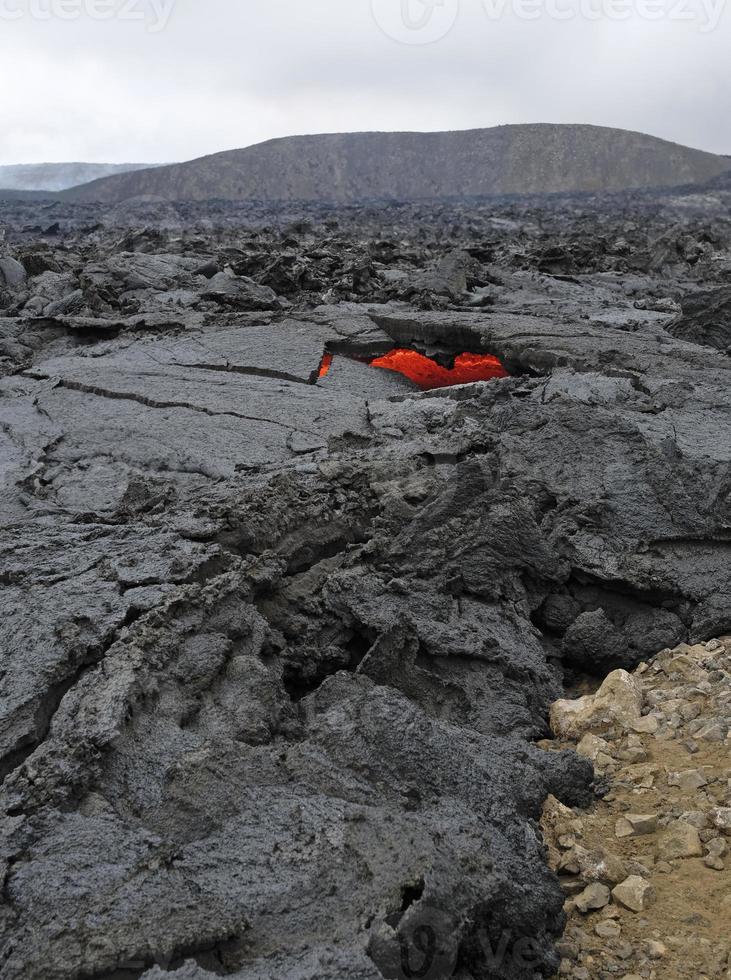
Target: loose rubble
{"points": [[663, 820]]}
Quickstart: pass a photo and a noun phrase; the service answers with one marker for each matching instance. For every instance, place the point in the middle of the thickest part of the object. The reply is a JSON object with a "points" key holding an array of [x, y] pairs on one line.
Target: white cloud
{"points": [[223, 74]]}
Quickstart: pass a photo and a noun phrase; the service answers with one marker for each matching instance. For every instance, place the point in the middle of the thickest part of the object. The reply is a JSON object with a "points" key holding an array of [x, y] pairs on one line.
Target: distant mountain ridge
{"points": [[59, 176], [350, 167]]}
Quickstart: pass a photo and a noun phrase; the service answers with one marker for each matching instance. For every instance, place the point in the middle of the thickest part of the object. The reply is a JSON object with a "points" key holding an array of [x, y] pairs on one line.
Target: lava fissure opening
{"points": [[325, 365], [428, 371]]}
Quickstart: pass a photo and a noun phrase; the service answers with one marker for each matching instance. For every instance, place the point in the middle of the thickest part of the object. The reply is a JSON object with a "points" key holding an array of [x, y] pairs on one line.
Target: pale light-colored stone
{"points": [[681, 840], [696, 818], [591, 746], [713, 862], [593, 897], [636, 825], [556, 815], [569, 863], [656, 950], [717, 847], [634, 893], [608, 929], [685, 665], [600, 865], [721, 817], [714, 731], [646, 725], [618, 701], [688, 781]]}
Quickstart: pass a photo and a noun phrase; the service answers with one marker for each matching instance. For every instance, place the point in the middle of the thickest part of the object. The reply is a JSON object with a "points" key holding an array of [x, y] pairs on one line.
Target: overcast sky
{"points": [[165, 80]]}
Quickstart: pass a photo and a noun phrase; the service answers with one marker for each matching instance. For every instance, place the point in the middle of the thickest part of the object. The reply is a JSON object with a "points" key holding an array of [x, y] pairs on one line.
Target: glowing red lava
{"points": [[325, 364], [427, 373]]}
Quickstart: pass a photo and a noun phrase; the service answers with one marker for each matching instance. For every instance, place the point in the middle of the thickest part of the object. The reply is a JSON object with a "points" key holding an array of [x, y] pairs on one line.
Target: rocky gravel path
{"points": [[647, 872]]}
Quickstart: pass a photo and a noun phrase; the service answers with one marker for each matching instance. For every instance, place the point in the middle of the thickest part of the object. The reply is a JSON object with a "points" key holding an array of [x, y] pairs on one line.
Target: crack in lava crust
{"points": [[325, 365], [427, 373]]}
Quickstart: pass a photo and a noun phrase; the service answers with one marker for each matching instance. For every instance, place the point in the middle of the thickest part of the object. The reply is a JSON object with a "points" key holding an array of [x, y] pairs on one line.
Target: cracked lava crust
{"points": [[279, 633]]}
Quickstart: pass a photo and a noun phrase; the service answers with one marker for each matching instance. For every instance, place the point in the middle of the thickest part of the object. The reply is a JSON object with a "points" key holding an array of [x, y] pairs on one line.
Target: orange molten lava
{"points": [[427, 373], [325, 364]]}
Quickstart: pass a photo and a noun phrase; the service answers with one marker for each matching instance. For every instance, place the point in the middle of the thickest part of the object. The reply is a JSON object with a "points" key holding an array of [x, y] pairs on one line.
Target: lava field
{"points": [[309, 515]]}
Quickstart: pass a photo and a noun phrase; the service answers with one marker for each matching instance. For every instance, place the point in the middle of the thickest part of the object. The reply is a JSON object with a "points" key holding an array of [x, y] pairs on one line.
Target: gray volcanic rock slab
{"points": [[706, 319], [66, 591], [12, 273], [231, 400], [275, 648]]}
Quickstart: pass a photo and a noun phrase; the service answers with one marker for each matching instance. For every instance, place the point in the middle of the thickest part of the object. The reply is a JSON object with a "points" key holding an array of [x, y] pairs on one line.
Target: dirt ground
{"points": [[682, 930]]}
